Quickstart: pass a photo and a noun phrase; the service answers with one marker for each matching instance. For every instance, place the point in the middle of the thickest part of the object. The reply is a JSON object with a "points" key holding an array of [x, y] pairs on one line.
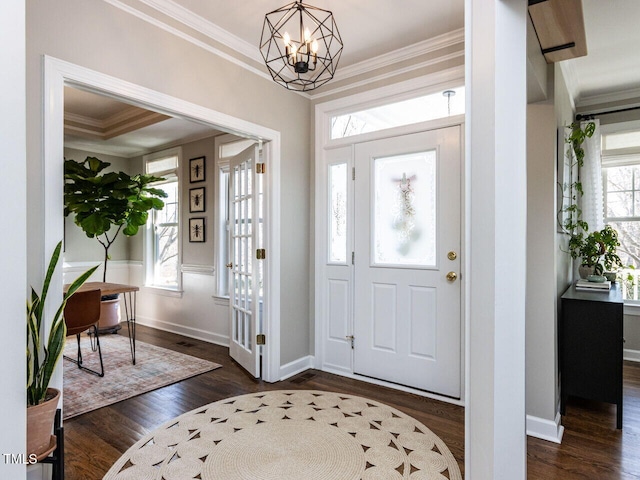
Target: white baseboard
{"points": [[631, 355], [296, 367], [545, 429], [190, 332]]}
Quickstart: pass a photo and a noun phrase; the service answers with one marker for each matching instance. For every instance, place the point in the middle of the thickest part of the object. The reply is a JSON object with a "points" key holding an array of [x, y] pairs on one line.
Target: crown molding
{"points": [[180, 34], [608, 98], [400, 71], [119, 123], [445, 40], [251, 52], [205, 27]]}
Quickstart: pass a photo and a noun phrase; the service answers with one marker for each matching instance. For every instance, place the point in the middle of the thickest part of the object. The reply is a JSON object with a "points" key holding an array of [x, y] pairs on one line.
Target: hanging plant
{"points": [[570, 216]]}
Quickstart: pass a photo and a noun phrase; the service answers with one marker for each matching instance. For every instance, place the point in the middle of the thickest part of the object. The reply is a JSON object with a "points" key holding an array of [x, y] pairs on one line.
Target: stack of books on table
{"points": [[586, 285]]}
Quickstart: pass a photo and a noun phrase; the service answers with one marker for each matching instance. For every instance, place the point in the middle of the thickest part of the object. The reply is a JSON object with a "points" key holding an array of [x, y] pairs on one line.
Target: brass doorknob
{"points": [[452, 276], [229, 265]]}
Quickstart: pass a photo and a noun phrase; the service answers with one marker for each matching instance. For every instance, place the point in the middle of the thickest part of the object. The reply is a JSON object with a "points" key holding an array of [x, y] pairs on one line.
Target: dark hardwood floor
{"points": [[592, 448]]}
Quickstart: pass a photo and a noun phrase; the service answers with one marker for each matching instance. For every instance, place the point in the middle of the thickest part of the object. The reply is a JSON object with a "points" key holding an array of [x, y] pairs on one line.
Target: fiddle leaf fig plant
{"points": [[101, 201]]}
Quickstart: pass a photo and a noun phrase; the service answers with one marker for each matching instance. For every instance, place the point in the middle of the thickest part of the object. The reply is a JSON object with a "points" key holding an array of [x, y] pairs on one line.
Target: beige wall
{"points": [[98, 36], [541, 261]]}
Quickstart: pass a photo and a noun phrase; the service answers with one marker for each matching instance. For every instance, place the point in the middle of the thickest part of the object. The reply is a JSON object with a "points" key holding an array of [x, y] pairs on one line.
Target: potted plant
{"points": [[42, 358], [610, 259], [101, 201], [597, 251]]}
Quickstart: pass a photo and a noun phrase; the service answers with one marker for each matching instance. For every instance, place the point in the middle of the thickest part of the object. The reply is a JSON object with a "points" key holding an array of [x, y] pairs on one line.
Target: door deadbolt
{"points": [[229, 265], [452, 276], [452, 255]]}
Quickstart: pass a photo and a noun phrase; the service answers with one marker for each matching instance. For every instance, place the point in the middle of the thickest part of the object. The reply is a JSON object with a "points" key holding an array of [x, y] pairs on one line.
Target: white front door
{"points": [[407, 238], [245, 270]]}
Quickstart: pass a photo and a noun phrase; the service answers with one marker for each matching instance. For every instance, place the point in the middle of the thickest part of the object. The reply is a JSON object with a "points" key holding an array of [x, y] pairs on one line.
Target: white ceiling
{"points": [[368, 29], [612, 65], [377, 27]]}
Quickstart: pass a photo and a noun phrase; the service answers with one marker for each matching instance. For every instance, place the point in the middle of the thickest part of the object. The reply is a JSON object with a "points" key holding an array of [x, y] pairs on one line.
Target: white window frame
{"points": [[149, 243], [620, 158]]}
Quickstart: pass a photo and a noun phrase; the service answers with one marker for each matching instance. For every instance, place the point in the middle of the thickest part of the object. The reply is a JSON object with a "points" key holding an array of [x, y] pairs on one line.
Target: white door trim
{"points": [[323, 114], [58, 73]]}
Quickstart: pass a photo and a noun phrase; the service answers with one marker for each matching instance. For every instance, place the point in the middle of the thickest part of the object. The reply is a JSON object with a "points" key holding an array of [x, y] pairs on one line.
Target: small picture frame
{"points": [[196, 229], [197, 169], [196, 199]]}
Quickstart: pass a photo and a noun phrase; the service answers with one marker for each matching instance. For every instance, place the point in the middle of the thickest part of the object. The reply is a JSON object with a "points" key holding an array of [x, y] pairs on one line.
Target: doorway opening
{"points": [[59, 74]]}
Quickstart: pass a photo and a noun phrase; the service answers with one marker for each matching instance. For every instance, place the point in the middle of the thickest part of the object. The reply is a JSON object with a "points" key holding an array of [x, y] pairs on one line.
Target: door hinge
{"points": [[353, 173], [261, 254], [353, 258], [261, 168], [261, 339], [351, 338]]}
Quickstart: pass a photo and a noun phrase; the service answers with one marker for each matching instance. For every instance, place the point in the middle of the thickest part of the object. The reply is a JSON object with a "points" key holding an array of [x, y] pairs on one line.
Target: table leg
{"points": [[130, 312]]}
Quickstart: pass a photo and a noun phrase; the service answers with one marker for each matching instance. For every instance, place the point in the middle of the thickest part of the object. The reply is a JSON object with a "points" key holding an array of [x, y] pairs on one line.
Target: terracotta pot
{"points": [[40, 423]]}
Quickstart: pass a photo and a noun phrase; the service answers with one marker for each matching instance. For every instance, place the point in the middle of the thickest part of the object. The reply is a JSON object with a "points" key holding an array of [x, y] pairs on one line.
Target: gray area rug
{"points": [[290, 435], [155, 367]]}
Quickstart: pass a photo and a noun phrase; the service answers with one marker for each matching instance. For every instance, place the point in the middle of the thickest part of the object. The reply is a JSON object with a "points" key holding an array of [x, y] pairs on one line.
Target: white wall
{"points": [[13, 283], [541, 308], [101, 37]]}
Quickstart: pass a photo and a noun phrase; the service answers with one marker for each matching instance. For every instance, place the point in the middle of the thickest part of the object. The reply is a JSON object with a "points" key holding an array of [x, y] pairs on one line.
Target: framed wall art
{"points": [[196, 229], [197, 169], [196, 199]]}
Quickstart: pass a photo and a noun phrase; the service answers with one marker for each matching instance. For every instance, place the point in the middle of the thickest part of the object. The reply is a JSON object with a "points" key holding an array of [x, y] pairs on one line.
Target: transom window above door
{"points": [[433, 106]]}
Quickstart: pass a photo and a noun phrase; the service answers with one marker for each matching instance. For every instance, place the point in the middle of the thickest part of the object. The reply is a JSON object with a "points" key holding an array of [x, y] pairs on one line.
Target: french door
{"points": [[246, 193]]}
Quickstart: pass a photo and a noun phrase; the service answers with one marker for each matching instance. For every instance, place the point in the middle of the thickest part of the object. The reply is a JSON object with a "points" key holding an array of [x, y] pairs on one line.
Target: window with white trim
{"points": [[408, 111], [162, 246], [621, 181]]}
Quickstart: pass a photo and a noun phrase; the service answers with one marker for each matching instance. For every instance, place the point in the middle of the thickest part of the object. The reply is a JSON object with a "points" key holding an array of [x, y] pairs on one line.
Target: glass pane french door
{"points": [[245, 223]]}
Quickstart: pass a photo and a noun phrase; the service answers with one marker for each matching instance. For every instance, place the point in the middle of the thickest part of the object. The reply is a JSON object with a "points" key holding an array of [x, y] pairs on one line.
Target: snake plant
{"points": [[42, 357]]}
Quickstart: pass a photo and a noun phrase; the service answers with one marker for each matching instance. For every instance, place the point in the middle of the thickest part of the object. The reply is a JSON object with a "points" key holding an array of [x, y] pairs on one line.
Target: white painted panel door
{"points": [[407, 319], [245, 285]]}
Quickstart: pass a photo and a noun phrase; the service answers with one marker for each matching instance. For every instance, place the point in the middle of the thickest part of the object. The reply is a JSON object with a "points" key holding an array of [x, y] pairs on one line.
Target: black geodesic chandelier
{"points": [[301, 46]]}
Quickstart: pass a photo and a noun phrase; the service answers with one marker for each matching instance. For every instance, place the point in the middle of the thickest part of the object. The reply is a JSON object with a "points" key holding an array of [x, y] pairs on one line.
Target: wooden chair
{"points": [[82, 313]]}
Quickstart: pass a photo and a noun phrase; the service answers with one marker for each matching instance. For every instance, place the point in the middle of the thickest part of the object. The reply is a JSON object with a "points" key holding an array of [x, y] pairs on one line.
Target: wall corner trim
{"points": [[550, 430], [296, 367]]}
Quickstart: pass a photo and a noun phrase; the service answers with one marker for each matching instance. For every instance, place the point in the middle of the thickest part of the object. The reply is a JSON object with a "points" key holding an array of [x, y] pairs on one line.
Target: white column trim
{"points": [[495, 433]]}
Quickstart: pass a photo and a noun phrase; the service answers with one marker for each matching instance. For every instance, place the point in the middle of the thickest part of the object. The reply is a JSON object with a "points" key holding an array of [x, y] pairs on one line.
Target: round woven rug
{"points": [[289, 435]]}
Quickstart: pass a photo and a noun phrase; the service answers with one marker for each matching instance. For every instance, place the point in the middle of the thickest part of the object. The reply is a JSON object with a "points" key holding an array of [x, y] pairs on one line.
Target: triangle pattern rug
{"points": [[290, 435], [155, 367]]}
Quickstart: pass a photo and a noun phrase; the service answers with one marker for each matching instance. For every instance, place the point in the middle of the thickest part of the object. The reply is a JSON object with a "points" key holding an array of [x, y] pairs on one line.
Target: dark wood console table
{"points": [[591, 347], [129, 294]]}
